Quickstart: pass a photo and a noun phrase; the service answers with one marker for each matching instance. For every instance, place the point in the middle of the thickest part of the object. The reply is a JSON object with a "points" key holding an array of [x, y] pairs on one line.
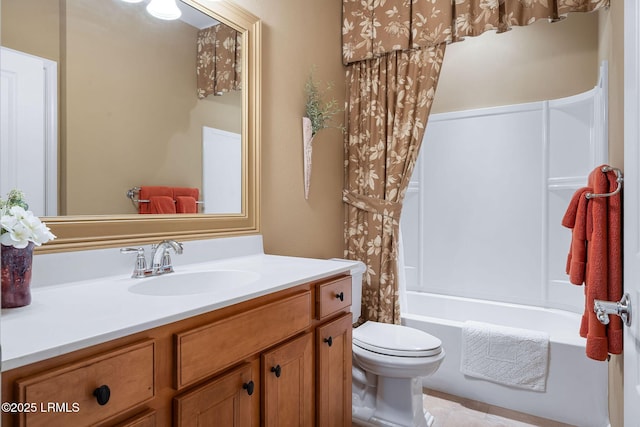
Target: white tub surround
{"points": [[80, 299], [482, 215]]}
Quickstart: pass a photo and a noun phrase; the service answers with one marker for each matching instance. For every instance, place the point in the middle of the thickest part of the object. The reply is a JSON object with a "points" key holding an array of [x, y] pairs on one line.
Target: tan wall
{"points": [[43, 16], [611, 48], [525, 61], [533, 63], [298, 34], [129, 113]]}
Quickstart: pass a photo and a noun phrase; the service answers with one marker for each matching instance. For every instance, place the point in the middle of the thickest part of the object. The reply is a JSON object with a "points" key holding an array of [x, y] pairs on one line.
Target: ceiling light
{"points": [[164, 9], [132, 1]]}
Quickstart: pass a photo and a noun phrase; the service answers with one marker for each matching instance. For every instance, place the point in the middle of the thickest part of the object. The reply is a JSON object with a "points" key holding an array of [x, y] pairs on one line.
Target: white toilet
{"points": [[389, 362]]}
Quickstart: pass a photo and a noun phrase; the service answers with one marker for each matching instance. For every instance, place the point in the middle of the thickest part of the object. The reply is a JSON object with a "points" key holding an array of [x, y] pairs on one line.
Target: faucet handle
{"points": [[140, 269], [166, 266]]}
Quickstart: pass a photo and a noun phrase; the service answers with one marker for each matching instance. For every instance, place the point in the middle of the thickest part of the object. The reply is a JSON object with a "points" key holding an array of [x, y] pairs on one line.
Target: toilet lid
{"points": [[396, 340]]}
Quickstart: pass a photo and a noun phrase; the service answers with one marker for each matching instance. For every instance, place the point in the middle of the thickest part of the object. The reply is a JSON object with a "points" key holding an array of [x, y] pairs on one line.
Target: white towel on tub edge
{"points": [[510, 356]]}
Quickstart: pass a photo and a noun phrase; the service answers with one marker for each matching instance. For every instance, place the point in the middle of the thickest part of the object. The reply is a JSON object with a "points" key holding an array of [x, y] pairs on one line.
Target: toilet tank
{"points": [[357, 270]]}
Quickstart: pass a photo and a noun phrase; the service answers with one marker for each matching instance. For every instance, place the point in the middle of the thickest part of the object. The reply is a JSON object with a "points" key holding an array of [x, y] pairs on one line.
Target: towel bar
{"points": [[619, 180], [132, 192]]}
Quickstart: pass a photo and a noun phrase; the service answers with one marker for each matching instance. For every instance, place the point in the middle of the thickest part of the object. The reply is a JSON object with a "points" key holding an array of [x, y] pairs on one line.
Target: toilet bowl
{"points": [[389, 362]]}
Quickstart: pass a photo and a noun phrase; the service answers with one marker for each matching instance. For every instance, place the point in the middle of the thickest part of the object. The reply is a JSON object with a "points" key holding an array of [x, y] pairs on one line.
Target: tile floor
{"points": [[453, 411]]}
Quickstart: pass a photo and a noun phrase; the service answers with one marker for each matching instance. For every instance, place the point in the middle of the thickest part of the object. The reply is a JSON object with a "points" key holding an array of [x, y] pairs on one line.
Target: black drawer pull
{"points": [[249, 387], [328, 341], [276, 370], [102, 394], [340, 296]]}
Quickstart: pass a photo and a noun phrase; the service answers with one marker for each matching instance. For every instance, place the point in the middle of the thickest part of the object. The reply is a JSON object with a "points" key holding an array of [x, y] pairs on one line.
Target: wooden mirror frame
{"points": [[101, 231]]}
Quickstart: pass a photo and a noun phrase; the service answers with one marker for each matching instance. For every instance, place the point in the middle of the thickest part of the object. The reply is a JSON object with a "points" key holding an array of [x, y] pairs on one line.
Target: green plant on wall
{"points": [[319, 112], [318, 116]]}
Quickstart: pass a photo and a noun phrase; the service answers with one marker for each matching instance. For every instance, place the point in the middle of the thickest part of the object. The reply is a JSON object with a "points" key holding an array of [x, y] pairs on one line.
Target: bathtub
{"points": [[577, 387]]}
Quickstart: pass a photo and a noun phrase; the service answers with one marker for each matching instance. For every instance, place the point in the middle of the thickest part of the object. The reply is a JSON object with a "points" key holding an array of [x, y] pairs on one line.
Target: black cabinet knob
{"points": [[276, 370], [102, 394], [328, 341], [249, 387], [340, 296]]}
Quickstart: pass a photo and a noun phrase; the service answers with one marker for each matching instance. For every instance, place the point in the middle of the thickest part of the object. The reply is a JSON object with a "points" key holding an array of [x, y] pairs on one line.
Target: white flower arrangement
{"points": [[19, 226]]}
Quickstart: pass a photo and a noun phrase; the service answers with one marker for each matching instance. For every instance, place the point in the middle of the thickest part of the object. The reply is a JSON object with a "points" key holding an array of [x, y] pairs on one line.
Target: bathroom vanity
{"points": [[274, 352]]}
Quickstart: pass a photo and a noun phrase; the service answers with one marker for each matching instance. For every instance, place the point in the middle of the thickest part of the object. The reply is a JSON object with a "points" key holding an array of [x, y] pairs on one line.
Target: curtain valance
{"points": [[219, 60], [371, 28]]}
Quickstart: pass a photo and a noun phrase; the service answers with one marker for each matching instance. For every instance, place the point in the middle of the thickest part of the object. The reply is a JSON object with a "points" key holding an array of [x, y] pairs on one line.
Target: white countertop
{"points": [[66, 317]]}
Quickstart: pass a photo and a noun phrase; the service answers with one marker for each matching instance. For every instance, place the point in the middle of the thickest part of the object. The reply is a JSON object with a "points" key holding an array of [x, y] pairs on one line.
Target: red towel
{"points": [[161, 205], [597, 241], [147, 192], [576, 219], [186, 204], [186, 198], [614, 329]]}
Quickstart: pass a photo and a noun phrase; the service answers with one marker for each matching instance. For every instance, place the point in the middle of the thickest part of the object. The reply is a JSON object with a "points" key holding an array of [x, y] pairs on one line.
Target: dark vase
{"points": [[16, 275]]}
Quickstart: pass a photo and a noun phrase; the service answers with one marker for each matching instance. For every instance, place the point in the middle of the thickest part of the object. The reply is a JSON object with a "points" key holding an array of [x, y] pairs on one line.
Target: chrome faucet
{"points": [[160, 259]]}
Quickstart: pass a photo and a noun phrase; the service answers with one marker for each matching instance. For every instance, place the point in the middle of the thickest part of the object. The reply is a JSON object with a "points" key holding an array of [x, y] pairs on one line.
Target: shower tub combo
{"points": [[482, 241], [576, 390]]}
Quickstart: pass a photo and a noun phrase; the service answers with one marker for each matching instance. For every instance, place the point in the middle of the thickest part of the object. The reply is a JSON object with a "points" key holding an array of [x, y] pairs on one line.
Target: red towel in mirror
{"points": [[186, 198], [147, 192], [162, 205], [186, 204]]}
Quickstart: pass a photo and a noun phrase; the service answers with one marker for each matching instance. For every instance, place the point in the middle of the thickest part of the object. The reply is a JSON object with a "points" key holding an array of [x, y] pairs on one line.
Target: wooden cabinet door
{"points": [[333, 341], [288, 379], [226, 401]]}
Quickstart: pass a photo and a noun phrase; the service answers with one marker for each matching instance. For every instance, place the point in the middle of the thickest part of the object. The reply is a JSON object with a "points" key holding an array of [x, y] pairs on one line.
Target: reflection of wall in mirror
{"points": [[129, 112]]}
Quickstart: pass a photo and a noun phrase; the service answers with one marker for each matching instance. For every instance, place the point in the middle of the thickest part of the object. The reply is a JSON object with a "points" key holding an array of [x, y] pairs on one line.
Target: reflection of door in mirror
{"points": [[129, 113], [28, 137], [221, 171]]}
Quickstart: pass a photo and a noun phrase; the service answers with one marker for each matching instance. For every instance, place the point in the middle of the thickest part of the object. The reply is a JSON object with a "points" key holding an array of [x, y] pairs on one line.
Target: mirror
{"points": [[127, 122]]}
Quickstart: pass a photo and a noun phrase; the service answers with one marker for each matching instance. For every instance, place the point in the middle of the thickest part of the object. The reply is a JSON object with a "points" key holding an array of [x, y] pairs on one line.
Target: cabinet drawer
{"points": [[144, 419], [333, 296], [207, 350], [65, 396]]}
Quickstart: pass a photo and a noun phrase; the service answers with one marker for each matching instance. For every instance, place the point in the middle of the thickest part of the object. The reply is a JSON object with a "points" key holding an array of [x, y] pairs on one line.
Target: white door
{"points": [[632, 210], [221, 171], [28, 129]]}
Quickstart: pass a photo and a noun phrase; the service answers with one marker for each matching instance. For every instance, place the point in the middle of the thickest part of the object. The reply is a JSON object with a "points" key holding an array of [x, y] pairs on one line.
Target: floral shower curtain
{"points": [[393, 50], [388, 102], [219, 61]]}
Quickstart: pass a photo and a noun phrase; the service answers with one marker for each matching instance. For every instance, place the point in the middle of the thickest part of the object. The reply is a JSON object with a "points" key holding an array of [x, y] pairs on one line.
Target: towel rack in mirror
{"points": [[619, 180], [132, 194]]}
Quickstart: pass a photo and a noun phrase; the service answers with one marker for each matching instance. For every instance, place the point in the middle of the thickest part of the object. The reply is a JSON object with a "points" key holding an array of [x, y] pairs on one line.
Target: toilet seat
{"points": [[396, 340]]}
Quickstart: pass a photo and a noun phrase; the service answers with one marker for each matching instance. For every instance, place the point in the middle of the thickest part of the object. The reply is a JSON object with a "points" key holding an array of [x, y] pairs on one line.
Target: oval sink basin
{"points": [[194, 282]]}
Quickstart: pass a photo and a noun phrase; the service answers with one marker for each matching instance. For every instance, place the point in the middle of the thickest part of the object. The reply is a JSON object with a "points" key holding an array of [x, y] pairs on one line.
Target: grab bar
{"points": [[619, 180], [620, 308]]}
